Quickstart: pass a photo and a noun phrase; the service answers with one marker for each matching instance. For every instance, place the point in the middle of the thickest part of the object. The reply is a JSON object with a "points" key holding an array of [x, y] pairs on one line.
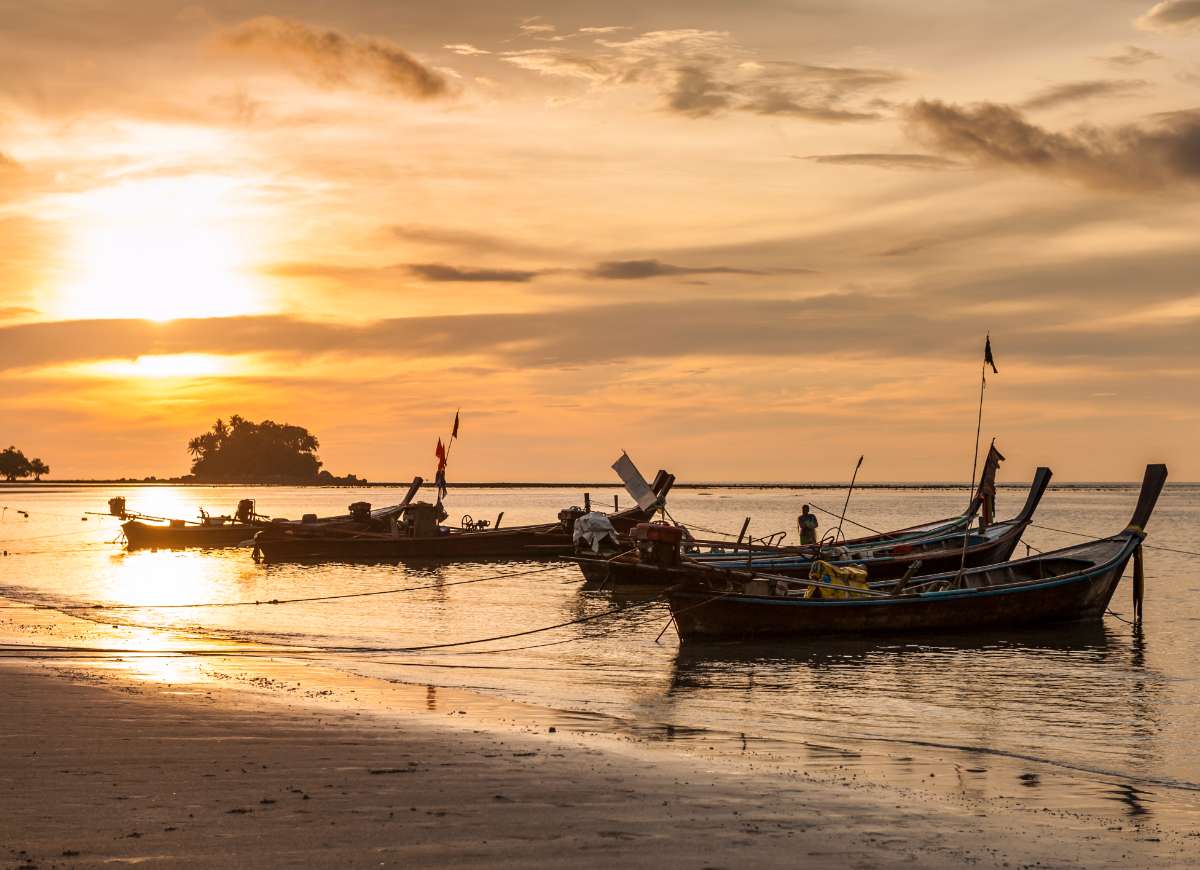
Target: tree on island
{"points": [[246, 451], [13, 464], [38, 468]]}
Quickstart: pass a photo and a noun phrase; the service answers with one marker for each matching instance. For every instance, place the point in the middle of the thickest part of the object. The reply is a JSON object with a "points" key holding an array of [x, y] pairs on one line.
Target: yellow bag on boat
{"points": [[842, 575]]}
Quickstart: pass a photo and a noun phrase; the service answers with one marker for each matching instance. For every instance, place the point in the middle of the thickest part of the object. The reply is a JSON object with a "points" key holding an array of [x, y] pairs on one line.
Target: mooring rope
{"points": [[1102, 537], [278, 649], [305, 600]]}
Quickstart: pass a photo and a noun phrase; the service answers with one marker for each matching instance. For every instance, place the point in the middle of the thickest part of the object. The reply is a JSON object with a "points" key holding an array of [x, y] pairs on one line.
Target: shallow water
{"points": [[1097, 719]]}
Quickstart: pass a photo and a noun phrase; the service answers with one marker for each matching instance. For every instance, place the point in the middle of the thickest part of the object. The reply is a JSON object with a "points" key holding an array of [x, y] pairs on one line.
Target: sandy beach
{"points": [[102, 767]]}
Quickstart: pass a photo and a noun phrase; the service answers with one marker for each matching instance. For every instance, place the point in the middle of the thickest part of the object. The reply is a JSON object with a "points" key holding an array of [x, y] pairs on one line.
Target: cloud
{"points": [[1128, 157], [695, 93], [885, 327], [334, 59], [443, 272], [886, 161], [1172, 15], [465, 48], [612, 28], [467, 240], [1072, 92], [630, 270], [703, 73], [557, 62], [1132, 56], [16, 312]]}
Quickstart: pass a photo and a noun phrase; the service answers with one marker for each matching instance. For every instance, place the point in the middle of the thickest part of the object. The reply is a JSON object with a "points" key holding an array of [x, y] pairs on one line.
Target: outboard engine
{"points": [[360, 512], [116, 506], [245, 511], [657, 543], [568, 516], [421, 519]]}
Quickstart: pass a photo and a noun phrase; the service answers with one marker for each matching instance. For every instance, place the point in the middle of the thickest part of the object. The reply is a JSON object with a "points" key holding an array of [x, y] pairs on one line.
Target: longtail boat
{"points": [[1073, 583], [143, 531], [416, 533], [663, 563]]}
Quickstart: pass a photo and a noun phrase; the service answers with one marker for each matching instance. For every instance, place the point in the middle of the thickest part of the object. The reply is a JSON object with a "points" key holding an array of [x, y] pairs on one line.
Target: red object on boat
{"points": [[659, 532]]}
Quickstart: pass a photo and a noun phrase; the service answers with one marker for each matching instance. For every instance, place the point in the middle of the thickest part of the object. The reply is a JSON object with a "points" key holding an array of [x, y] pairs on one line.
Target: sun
{"points": [[159, 249]]}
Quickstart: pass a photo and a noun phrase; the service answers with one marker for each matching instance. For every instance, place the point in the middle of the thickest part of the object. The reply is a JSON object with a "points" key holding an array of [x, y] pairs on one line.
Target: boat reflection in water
{"points": [[1070, 710]]}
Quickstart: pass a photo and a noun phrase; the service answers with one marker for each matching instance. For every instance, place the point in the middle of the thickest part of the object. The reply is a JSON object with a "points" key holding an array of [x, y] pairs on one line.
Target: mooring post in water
{"points": [[741, 534], [499, 517], [587, 502], [616, 503], [1139, 584]]}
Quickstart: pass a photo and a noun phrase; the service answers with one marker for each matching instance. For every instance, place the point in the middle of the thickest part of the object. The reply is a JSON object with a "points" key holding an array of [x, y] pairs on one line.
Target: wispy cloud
{"points": [[1172, 15], [885, 160], [1131, 56], [1073, 92], [465, 48], [632, 270], [702, 73], [334, 59], [1128, 157], [444, 272]]}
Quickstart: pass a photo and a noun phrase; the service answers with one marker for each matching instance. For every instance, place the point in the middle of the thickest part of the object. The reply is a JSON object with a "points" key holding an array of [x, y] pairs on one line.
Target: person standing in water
{"points": [[807, 523]]}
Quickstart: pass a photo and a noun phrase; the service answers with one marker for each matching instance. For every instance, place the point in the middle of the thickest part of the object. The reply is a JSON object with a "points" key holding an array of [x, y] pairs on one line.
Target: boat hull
{"points": [[467, 545], [628, 573], [701, 614], [140, 535]]}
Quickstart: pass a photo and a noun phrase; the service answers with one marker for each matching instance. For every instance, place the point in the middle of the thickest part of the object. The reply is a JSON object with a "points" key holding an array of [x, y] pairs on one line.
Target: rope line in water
{"points": [[273, 601], [283, 649]]}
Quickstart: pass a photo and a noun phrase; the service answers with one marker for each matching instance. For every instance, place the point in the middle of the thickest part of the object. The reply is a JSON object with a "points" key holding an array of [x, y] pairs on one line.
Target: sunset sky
{"points": [[745, 241]]}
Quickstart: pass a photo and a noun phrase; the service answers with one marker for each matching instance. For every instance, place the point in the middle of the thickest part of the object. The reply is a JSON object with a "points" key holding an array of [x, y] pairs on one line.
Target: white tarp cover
{"points": [[635, 484], [593, 528]]}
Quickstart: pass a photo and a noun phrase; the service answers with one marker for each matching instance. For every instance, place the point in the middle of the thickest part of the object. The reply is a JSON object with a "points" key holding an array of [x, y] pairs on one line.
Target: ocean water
{"points": [[1095, 719]]}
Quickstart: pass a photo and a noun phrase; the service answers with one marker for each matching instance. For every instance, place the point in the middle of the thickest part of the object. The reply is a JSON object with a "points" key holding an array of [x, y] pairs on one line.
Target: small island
{"points": [[14, 465], [242, 451]]}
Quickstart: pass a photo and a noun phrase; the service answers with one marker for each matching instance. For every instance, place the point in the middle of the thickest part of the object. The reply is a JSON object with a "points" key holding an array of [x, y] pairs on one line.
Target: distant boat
{"points": [[946, 546], [415, 532], [147, 532], [1073, 583]]}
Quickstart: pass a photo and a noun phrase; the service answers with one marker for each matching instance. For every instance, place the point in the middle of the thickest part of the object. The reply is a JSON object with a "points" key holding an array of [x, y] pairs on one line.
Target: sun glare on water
{"points": [[159, 250]]}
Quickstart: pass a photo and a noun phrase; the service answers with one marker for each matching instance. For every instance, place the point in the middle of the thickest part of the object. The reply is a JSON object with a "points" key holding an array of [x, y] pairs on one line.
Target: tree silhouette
{"points": [[13, 464], [242, 450], [38, 468]]}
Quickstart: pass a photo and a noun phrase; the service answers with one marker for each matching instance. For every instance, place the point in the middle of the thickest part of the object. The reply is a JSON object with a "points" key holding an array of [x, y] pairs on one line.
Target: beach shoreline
{"points": [[273, 761]]}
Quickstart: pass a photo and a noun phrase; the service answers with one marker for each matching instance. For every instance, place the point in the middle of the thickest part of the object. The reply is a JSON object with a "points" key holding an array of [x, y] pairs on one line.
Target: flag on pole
{"points": [[987, 355], [986, 494], [454, 431], [440, 477]]}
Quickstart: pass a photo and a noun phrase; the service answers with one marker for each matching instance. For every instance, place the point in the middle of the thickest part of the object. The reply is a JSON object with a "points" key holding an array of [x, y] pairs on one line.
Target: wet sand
{"points": [[100, 767]]}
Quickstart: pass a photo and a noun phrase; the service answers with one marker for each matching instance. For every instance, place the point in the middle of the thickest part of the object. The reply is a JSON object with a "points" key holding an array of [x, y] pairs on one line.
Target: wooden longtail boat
{"points": [[940, 551], [417, 535], [143, 531], [1074, 583]]}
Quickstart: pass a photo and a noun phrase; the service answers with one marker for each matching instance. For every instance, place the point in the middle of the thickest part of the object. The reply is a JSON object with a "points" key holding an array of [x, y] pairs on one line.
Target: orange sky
{"points": [[746, 241]]}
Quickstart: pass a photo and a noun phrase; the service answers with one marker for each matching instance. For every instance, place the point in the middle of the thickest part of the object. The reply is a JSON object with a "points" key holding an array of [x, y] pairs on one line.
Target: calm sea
{"points": [[1096, 719]]}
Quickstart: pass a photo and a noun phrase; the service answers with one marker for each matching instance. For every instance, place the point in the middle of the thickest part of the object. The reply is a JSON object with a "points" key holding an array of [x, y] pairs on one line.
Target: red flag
{"points": [[440, 453], [454, 431]]}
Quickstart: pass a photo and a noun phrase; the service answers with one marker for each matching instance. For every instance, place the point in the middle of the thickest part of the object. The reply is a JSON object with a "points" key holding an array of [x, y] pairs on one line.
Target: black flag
{"points": [[987, 355]]}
